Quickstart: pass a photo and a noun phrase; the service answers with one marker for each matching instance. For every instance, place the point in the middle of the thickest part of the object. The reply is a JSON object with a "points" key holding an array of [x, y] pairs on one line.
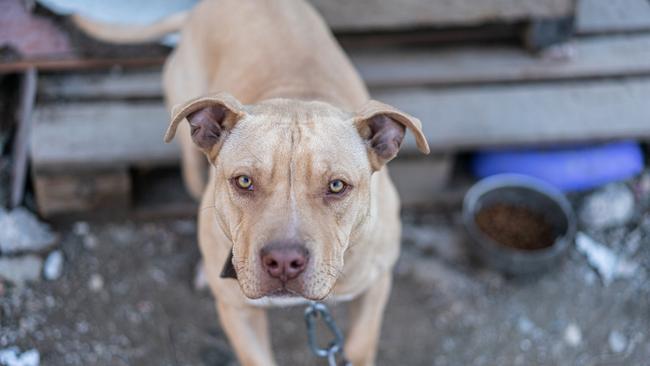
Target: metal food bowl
{"points": [[534, 195]]}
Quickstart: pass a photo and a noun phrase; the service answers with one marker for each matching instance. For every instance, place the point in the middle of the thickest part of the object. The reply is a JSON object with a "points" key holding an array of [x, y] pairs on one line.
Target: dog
{"points": [[298, 203]]}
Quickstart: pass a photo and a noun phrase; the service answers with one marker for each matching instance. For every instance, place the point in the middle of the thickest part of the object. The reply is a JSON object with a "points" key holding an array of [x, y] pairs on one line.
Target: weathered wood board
{"points": [[363, 15], [144, 83], [97, 134], [476, 117], [113, 133], [591, 58], [60, 191], [607, 16]]}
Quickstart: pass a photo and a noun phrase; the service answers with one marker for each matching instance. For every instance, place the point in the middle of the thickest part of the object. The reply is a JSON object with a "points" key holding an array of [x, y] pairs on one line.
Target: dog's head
{"points": [[293, 183]]}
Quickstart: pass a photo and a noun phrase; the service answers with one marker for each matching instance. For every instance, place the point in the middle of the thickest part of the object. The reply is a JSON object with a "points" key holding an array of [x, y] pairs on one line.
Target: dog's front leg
{"points": [[247, 330], [366, 313]]}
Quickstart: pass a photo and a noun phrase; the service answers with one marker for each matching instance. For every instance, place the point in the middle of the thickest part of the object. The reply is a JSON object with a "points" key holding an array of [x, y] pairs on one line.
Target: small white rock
{"points": [[96, 282], [608, 265], [21, 231], [53, 266], [524, 325], [83, 327], [617, 341], [19, 270], [610, 206], [90, 241], [573, 335], [12, 357], [81, 228]]}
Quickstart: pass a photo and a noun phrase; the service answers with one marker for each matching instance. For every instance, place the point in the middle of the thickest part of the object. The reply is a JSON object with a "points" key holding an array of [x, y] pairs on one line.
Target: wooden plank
{"points": [[454, 119], [101, 134], [74, 63], [118, 84], [484, 116], [592, 58], [364, 15], [21, 144], [59, 192], [608, 16]]}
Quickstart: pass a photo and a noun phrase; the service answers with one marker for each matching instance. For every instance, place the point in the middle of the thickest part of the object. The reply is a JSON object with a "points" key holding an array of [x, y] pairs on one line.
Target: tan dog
{"points": [[298, 203]]}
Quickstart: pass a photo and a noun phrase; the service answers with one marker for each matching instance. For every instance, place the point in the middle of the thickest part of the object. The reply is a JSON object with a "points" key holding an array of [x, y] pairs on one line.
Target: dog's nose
{"points": [[284, 262]]}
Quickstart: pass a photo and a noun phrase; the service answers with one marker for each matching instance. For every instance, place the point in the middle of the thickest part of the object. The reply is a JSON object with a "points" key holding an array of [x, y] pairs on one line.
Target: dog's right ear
{"points": [[210, 119]]}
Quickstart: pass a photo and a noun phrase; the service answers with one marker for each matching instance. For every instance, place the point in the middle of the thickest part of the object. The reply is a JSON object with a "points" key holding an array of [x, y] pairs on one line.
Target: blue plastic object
{"points": [[569, 168]]}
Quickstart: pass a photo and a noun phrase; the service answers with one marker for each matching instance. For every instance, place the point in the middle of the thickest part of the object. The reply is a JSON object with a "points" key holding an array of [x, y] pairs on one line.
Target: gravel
{"points": [[128, 299]]}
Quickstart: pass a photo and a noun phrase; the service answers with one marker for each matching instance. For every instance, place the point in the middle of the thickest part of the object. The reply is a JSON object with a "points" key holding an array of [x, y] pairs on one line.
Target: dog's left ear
{"points": [[383, 128], [210, 118]]}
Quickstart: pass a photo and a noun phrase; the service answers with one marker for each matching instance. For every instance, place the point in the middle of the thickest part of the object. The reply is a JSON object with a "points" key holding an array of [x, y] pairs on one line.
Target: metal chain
{"points": [[313, 312]]}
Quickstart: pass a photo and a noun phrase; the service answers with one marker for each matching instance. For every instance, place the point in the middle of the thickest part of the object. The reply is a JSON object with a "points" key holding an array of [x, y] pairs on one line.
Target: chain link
{"points": [[313, 312]]}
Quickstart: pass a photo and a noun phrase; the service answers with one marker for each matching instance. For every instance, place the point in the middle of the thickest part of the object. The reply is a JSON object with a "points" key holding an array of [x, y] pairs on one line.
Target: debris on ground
{"points": [[617, 341], [125, 296], [53, 265], [608, 265], [19, 270], [21, 231], [96, 283], [81, 228], [573, 335], [440, 241], [610, 206], [12, 357]]}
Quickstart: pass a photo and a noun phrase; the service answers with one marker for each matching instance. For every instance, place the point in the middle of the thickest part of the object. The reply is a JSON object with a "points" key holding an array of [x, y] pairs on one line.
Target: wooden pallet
{"points": [[597, 57], [82, 153], [83, 135], [467, 98], [453, 119], [364, 15]]}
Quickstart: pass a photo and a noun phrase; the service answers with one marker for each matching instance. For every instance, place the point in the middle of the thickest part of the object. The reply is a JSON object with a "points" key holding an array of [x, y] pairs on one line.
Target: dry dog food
{"points": [[515, 226]]}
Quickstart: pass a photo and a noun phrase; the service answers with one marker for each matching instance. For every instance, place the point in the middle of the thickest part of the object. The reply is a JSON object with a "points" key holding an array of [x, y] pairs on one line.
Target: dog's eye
{"points": [[244, 182], [337, 186]]}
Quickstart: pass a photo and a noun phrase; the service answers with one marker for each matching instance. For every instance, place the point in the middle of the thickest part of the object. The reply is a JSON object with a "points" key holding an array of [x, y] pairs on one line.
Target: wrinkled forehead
{"points": [[308, 132]]}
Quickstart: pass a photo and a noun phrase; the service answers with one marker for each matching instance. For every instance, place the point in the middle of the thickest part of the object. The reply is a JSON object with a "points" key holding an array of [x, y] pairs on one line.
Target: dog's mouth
{"points": [[283, 292]]}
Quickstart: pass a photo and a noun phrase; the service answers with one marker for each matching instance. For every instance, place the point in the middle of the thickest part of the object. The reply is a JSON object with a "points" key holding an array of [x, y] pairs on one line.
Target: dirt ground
{"points": [[126, 298]]}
